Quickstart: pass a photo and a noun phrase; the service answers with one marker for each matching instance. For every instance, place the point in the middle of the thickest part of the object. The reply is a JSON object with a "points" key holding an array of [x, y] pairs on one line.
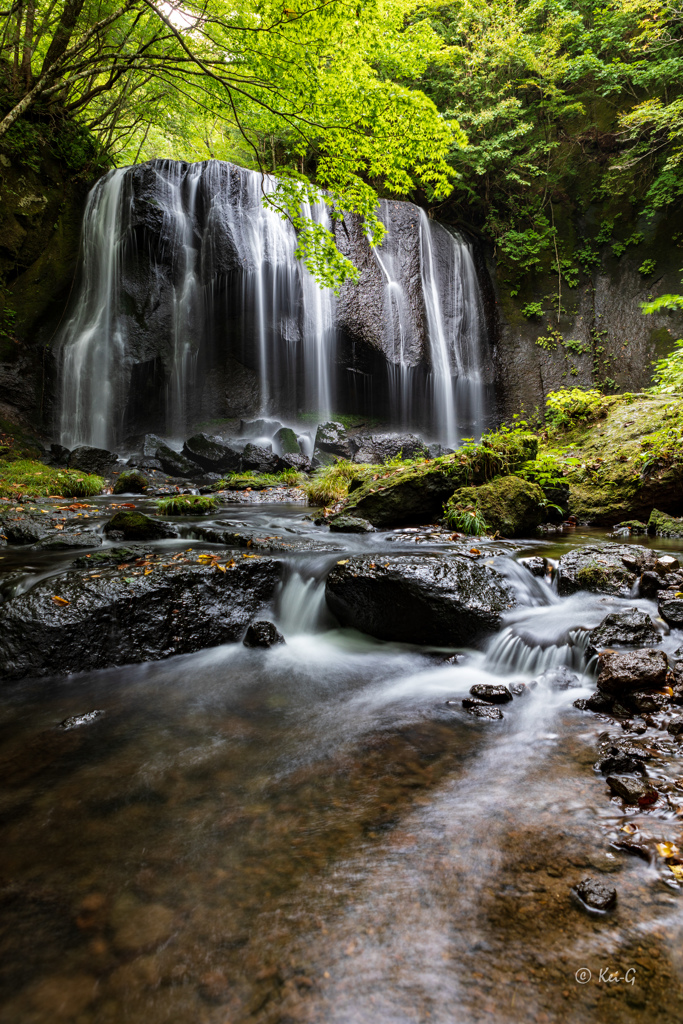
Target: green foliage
{"points": [[571, 405], [532, 309], [549, 342], [647, 266], [581, 348], [187, 505], [663, 302], [465, 519], [587, 256], [668, 374], [25, 476]]}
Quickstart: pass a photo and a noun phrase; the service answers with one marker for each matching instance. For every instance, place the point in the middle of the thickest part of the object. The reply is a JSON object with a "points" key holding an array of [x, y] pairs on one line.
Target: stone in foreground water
{"points": [[262, 634], [595, 895]]}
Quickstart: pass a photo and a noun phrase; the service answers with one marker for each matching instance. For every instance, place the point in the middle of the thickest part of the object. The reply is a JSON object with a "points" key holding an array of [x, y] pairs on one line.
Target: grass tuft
{"points": [[259, 481], [187, 505], [25, 476]]}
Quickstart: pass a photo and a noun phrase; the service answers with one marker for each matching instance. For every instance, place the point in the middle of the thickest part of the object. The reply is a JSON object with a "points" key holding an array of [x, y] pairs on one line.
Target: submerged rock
{"points": [[635, 670], [262, 634], [632, 790], [595, 895], [537, 565], [558, 678], [350, 524], [603, 569], [92, 460], [77, 622], [134, 525], [631, 628], [428, 599], [74, 721], [509, 505]]}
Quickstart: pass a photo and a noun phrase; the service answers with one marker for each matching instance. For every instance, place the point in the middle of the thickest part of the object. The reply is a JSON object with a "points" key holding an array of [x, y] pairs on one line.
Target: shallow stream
{"points": [[312, 833]]}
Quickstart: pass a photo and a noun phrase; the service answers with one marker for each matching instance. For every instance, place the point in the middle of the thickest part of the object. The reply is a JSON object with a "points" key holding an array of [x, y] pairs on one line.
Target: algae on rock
{"points": [[508, 505]]}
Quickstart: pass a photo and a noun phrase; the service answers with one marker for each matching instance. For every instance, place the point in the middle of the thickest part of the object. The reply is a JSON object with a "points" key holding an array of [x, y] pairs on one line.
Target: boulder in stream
{"points": [[174, 463], [620, 674], [422, 599], [285, 442], [381, 448], [331, 439], [262, 633], [508, 505], [603, 568], [594, 895], [260, 458], [670, 607], [134, 525], [491, 692], [631, 628], [78, 621], [661, 525]]}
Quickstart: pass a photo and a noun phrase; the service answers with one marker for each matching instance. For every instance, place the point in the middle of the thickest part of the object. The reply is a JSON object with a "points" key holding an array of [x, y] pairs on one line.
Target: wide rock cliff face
{"points": [[602, 337]]}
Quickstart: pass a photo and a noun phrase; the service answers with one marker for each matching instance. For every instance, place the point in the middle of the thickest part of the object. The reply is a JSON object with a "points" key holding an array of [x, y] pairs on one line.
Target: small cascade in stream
{"points": [[191, 306]]}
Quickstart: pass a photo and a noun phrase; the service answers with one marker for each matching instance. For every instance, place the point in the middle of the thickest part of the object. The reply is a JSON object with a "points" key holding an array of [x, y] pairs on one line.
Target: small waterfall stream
{"points": [[184, 269]]}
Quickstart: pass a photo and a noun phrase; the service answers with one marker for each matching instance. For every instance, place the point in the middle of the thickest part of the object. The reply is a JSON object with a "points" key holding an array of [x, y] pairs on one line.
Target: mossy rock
{"points": [[134, 525], [508, 505], [416, 493], [635, 526], [131, 483], [661, 525]]}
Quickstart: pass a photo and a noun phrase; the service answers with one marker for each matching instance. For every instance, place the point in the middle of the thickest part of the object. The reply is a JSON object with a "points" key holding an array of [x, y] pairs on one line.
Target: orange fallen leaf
{"points": [[59, 600], [667, 850]]}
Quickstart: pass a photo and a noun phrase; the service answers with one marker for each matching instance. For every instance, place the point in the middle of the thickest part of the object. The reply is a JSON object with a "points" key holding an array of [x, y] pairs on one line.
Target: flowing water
{"points": [[312, 833], [185, 272]]}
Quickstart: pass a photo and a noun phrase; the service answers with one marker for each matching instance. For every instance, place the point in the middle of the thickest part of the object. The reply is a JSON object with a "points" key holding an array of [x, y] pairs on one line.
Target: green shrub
{"points": [[465, 519], [331, 483], [668, 376], [251, 480], [131, 482], [187, 505]]}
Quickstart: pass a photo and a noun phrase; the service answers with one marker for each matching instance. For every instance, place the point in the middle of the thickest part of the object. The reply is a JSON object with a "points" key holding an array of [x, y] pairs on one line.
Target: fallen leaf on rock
{"points": [[59, 600], [667, 850], [630, 828], [343, 561], [475, 551], [677, 871]]}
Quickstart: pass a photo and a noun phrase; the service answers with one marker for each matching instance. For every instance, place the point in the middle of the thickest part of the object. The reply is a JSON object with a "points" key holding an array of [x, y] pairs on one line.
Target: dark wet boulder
{"points": [[150, 443], [508, 505], [600, 703], [536, 564], [594, 895], [380, 448], [670, 607], [632, 790], [260, 459], [262, 634], [350, 524], [175, 464], [632, 527], [621, 755], [634, 670], [77, 622], [603, 568], [645, 702], [558, 678], [141, 462], [631, 628], [134, 525], [331, 439], [69, 539], [285, 442], [650, 584], [92, 460], [666, 565], [75, 721], [491, 692], [131, 483], [661, 525], [21, 527], [212, 454], [428, 599], [301, 463]]}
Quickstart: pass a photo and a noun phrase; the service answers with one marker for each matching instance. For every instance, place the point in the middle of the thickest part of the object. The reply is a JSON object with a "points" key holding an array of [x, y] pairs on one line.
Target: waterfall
{"points": [[455, 327], [187, 281]]}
